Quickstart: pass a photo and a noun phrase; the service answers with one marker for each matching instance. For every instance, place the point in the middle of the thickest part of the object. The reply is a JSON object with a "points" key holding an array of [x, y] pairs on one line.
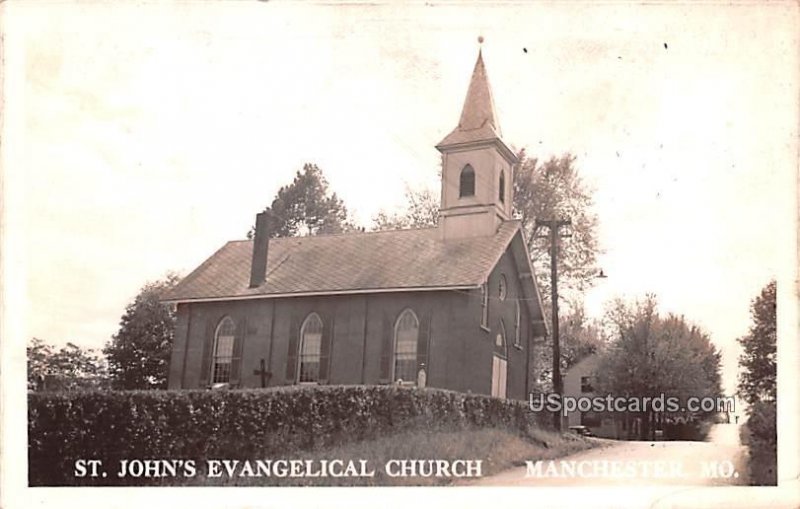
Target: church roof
{"points": [[398, 260], [478, 120]]}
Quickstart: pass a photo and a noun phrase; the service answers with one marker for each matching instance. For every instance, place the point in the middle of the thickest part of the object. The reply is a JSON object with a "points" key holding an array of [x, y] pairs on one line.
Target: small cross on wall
{"points": [[263, 373]]}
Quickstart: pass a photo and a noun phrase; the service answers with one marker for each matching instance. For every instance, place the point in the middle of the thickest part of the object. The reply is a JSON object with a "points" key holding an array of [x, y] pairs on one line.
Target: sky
{"points": [[140, 137]]}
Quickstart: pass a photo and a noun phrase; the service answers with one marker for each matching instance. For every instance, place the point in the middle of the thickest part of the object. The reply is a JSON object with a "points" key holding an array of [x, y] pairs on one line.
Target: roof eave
{"points": [[531, 273], [533, 281], [504, 150], [358, 291]]}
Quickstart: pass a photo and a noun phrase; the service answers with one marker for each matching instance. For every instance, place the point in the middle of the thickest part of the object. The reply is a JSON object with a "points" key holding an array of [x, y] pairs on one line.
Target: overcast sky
{"points": [[145, 136]]}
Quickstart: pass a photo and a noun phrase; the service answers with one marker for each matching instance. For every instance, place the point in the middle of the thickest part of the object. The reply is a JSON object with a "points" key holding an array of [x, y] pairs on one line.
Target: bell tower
{"points": [[477, 166]]}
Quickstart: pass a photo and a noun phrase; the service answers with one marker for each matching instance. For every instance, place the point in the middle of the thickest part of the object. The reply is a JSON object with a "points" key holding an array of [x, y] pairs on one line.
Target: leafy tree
{"points": [[67, 368], [579, 337], [306, 207], [758, 360], [649, 355], [555, 190], [422, 212], [138, 354], [757, 385]]}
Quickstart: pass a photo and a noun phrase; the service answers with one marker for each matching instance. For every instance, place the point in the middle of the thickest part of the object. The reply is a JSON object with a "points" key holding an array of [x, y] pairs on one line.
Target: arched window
{"points": [[466, 185], [406, 334], [517, 327], [310, 349], [502, 195], [485, 305], [221, 363], [500, 339], [502, 288], [500, 363]]}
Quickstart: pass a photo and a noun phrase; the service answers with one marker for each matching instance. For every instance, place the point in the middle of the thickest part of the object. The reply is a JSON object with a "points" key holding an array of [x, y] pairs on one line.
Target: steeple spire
{"points": [[479, 104], [478, 120], [477, 167]]}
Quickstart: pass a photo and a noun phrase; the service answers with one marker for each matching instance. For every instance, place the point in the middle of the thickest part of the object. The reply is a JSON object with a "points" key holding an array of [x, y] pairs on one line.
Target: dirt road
{"points": [[719, 461]]}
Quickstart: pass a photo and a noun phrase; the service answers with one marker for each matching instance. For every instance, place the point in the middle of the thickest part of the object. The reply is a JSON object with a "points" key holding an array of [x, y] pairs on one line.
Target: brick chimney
{"points": [[258, 267]]}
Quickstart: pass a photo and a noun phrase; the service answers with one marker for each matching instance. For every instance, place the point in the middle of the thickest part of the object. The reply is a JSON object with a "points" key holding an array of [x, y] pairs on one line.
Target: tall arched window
{"points": [[310, 349], [224, 338], [502, 195], [466, 185], [406, 334], [500, 339], [500, 363], [485, 305]]}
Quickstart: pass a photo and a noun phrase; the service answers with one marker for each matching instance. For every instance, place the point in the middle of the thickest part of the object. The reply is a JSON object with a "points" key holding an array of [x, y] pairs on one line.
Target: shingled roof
{"points": [[399, 260]]}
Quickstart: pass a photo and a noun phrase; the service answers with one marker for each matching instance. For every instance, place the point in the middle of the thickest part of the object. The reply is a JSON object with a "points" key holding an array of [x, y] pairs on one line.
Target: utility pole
{"points": [[554, 225]]}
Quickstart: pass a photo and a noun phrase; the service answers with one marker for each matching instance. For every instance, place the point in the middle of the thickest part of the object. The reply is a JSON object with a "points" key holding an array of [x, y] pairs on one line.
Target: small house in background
{"points": [[579, 382], [455, 306]]}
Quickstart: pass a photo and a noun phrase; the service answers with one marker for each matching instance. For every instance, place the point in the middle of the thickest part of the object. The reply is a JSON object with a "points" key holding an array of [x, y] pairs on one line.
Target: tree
{"points": [[422, 212], [68, 368], [758, 359], [555, 190], [579, 338], [757, 385], [306, 207], [650, 355], [138, 354]]}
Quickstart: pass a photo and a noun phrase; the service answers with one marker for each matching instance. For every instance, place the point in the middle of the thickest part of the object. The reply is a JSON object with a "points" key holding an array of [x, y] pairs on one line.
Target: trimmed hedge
{"points": [[239, 424]]}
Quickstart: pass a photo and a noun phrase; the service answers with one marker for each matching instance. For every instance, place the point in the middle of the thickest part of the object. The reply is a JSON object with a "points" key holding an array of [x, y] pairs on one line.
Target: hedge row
{"points": [[240, 424]]}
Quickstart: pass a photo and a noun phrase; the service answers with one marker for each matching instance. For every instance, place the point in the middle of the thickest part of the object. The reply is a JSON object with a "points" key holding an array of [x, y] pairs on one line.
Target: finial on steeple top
{"points": [[480, 39]]}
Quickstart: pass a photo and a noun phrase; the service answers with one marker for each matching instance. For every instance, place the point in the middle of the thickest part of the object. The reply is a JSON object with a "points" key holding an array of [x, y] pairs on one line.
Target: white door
{"points": [[499, 379]]}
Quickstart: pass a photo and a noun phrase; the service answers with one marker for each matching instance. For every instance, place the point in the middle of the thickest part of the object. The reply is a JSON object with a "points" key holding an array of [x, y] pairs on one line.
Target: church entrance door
{"points": [[499, 371]]}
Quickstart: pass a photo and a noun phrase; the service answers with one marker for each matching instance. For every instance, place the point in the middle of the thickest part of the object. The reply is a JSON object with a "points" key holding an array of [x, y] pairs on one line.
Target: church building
{"points": [[455, 306]]}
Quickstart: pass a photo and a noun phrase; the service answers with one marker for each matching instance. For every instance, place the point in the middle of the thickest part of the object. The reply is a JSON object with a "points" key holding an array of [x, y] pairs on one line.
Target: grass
{"points": [[499, 450]]}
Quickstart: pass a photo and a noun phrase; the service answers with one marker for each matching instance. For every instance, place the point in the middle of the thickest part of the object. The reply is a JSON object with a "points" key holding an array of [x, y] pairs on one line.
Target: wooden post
{"points": [[553, 225]]}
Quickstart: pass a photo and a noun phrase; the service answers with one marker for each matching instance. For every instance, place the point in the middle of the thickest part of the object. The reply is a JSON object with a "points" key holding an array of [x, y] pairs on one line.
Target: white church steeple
{"points": [[477, 166]]}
